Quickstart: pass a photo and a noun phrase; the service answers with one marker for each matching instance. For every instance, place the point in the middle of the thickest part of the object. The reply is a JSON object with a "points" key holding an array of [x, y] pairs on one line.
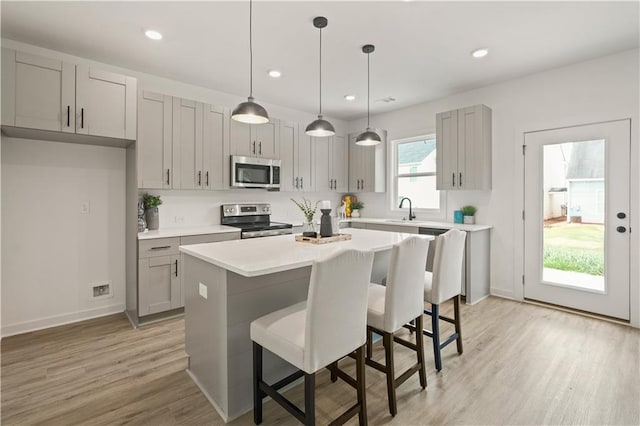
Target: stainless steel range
{"points": [[253, 219]]}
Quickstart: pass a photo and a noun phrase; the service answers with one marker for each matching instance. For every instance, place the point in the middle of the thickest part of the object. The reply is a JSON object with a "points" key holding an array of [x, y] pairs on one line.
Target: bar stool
{"points": [[310, 335], [443, 284], [393, 305]]}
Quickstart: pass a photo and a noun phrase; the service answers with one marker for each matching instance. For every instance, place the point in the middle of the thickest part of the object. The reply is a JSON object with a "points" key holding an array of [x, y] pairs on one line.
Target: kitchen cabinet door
{"points": [[367, 165], [288, 150], [37, 92], [159, 286], [154, 140], [447, 150], [340, 163], [240, 138], [304, 170], [187, 144], [264, 139], [321, 164], [355, 164], [213, 147], [105, 103]]}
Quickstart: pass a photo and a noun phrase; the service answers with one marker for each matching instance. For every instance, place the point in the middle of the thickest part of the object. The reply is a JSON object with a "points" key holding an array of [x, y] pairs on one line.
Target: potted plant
{"points": [[469, 214], [151, 203], [309, 211], [356, 206]]}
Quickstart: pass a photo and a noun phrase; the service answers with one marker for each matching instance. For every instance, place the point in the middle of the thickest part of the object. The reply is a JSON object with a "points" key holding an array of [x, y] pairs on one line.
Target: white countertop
{"points": [[260, 256], [421, 223], [181, 232]]}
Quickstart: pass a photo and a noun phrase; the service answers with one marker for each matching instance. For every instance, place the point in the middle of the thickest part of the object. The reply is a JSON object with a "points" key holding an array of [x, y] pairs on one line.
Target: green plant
{"points": [[151, 201], [357, 205], [469, 210], [308, 209]]}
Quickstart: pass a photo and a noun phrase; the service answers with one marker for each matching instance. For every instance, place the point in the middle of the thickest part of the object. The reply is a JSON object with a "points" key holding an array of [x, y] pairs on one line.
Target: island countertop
{"points": [[261, 256]]}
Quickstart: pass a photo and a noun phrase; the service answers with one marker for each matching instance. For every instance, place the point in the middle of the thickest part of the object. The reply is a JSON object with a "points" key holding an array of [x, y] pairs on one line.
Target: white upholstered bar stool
{"points": [[310, 335], [397, 303], [443, 284]]}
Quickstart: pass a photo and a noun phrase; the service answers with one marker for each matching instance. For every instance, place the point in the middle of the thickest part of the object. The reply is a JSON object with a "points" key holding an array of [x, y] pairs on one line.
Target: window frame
{"points": [[394, 175]]}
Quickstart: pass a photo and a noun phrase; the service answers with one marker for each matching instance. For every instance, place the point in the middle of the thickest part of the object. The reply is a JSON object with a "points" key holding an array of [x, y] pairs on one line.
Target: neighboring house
{"points": [[418, 157], [585, 181]]}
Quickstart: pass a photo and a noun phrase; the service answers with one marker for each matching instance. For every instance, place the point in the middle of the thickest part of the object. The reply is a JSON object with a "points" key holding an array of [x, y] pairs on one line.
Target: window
{"points": [[414, 173]]}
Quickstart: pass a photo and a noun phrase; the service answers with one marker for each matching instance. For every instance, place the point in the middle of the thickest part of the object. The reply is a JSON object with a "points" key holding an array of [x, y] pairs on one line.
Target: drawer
{"points": [[158, 247], [209, 238]]}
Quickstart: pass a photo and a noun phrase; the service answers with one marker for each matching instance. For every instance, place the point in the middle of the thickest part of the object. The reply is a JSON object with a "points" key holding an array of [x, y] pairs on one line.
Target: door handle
{"points": [[301, 183], [68, 115], [82, 118], [460, 181], [176, 267], [254, 147], [206, 178], [199, 178], [621, 229], [160, 248], [168, 175], [453, 179], [260, 148], [297, 181], [621, 215]]}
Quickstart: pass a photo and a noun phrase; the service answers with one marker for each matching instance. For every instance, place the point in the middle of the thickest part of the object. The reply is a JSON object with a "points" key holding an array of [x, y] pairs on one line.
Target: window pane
{"points": [[418, 156], [421, 190]]}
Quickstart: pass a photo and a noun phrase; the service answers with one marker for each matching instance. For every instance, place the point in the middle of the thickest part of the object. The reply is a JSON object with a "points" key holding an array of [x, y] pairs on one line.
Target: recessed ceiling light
{"points": [[275, 74], [480, 53], [153, 35], [350, 97]]}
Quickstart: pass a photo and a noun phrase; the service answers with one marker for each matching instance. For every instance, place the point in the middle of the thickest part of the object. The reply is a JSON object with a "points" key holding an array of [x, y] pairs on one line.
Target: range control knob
{"points": [[265, 209]]}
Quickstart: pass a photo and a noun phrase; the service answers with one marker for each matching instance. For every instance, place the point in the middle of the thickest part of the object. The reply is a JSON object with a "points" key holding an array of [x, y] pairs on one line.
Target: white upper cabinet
{"points": [[213, 161], [330, 163], [42, 93], [154, 140], [340, 163], [105, 103], [367, 165], [254, 140], [187, 144], [288, 158], [463, 144]]}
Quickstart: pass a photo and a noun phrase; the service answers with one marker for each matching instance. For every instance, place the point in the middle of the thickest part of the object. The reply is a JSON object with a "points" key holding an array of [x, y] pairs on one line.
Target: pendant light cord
{"points": [[320, 71], [368, 88], [250, 49]]}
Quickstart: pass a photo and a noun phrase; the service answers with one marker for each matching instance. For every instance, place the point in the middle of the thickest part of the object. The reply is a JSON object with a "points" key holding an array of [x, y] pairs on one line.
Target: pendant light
{"points": [[320, 127], [250, 112], [368, 137]]}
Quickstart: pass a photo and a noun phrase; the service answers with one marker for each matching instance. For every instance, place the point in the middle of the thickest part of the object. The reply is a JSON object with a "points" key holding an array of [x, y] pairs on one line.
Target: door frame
{"points": [[634, 204]]}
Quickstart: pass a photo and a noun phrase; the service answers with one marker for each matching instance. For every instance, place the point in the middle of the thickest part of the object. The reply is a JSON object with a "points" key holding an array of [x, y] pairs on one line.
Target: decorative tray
{"points": [[320, 240]]}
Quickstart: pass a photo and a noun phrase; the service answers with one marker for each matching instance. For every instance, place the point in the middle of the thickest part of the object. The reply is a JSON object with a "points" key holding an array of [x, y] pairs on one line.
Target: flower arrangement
{"points": [[307, 208], [469, 210], [151, 201], [357, 205]]}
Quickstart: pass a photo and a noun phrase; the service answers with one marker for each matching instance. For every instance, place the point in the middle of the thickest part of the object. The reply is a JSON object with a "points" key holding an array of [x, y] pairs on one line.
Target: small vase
{"points": [[309, 228], [153, 218], [469, 220], [355, 213]]}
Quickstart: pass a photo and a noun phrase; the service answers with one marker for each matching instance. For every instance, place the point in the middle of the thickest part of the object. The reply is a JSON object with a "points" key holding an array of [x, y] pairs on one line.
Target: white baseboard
{"points": [[505, 294], [54, 321]]}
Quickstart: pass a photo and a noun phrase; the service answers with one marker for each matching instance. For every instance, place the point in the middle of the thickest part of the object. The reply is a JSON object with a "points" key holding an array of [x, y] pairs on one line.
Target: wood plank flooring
{"points": [[523, 364]]}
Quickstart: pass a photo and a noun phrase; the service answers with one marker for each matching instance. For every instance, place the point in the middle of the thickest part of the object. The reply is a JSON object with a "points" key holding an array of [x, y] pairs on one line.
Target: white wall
{"points": [[597, 90], [25, 305], [51, 253]]}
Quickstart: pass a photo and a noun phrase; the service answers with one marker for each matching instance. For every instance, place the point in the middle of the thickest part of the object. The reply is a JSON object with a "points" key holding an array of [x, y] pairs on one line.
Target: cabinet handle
{"points": [[460, 180], [168, 176], [199, 178], [260, 148], [82, 118], [297, 179], [206, 178], [160, 247], [176, 267], [357, 183], [68, 115], [301, 183], [453, 179], [254, 147]]}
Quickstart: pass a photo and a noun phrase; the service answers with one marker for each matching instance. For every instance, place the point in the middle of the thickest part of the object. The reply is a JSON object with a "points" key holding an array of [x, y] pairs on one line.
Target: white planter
{"points": [[355, 213], [470, 220]]}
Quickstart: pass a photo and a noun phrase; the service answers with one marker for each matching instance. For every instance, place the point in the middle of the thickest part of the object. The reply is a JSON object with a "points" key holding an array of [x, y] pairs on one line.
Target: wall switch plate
{"points": [[85, 207], [202, 290]]}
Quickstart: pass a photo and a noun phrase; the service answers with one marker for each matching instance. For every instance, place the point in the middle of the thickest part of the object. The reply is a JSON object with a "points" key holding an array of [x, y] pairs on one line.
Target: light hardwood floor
{"points": [[522, 364]]}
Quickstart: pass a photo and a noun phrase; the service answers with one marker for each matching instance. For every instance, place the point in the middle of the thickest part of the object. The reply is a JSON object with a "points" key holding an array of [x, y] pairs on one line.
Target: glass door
{"points": [[576, 217]]}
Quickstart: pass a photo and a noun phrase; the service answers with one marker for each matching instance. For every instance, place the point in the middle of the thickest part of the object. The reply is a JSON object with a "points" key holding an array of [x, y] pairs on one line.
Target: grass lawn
{"points": [[574, 247]]}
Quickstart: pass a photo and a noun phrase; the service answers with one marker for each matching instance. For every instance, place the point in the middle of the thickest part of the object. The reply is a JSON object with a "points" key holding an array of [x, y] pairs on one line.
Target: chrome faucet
{"points": [[411, 215]]}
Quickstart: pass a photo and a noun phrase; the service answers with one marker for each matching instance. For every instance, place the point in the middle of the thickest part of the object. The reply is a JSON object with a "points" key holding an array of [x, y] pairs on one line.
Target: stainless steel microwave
{"points": [[251, 172]]}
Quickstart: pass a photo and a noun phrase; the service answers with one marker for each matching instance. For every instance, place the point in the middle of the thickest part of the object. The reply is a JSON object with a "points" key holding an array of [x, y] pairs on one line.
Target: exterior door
{"points": [[576, 227]]}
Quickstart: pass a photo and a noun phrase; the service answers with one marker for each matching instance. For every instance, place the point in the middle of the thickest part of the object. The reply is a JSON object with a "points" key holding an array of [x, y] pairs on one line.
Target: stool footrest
{"points": [[289, 379], [404, 376], [344, 417], [284, 402]]}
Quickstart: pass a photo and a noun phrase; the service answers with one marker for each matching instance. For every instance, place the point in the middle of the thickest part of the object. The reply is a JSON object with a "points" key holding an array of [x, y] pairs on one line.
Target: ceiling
{"points": [[422, 48]]}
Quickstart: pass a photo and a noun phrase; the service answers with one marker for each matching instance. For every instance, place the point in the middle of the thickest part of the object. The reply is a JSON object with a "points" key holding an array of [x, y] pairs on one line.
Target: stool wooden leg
{"points": [[369, 343], [420, 351], [361, 388], [387, 339], [456, 316], [257, 378], [435, 330], [309, 399]]}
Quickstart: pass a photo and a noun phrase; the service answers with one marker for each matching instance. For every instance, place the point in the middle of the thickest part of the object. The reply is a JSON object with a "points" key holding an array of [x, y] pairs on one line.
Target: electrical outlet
{"points": [[85, 207], [101, 290], [203, 290], [179, 219]]}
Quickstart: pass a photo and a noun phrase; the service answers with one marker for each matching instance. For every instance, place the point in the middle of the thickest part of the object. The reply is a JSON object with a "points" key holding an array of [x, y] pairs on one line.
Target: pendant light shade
{"points": [[368, 137], [320, 127], [250, 112]]}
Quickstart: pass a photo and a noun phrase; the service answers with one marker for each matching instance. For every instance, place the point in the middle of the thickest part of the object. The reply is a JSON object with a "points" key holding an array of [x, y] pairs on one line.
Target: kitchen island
{"points": [[231, 283]]}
